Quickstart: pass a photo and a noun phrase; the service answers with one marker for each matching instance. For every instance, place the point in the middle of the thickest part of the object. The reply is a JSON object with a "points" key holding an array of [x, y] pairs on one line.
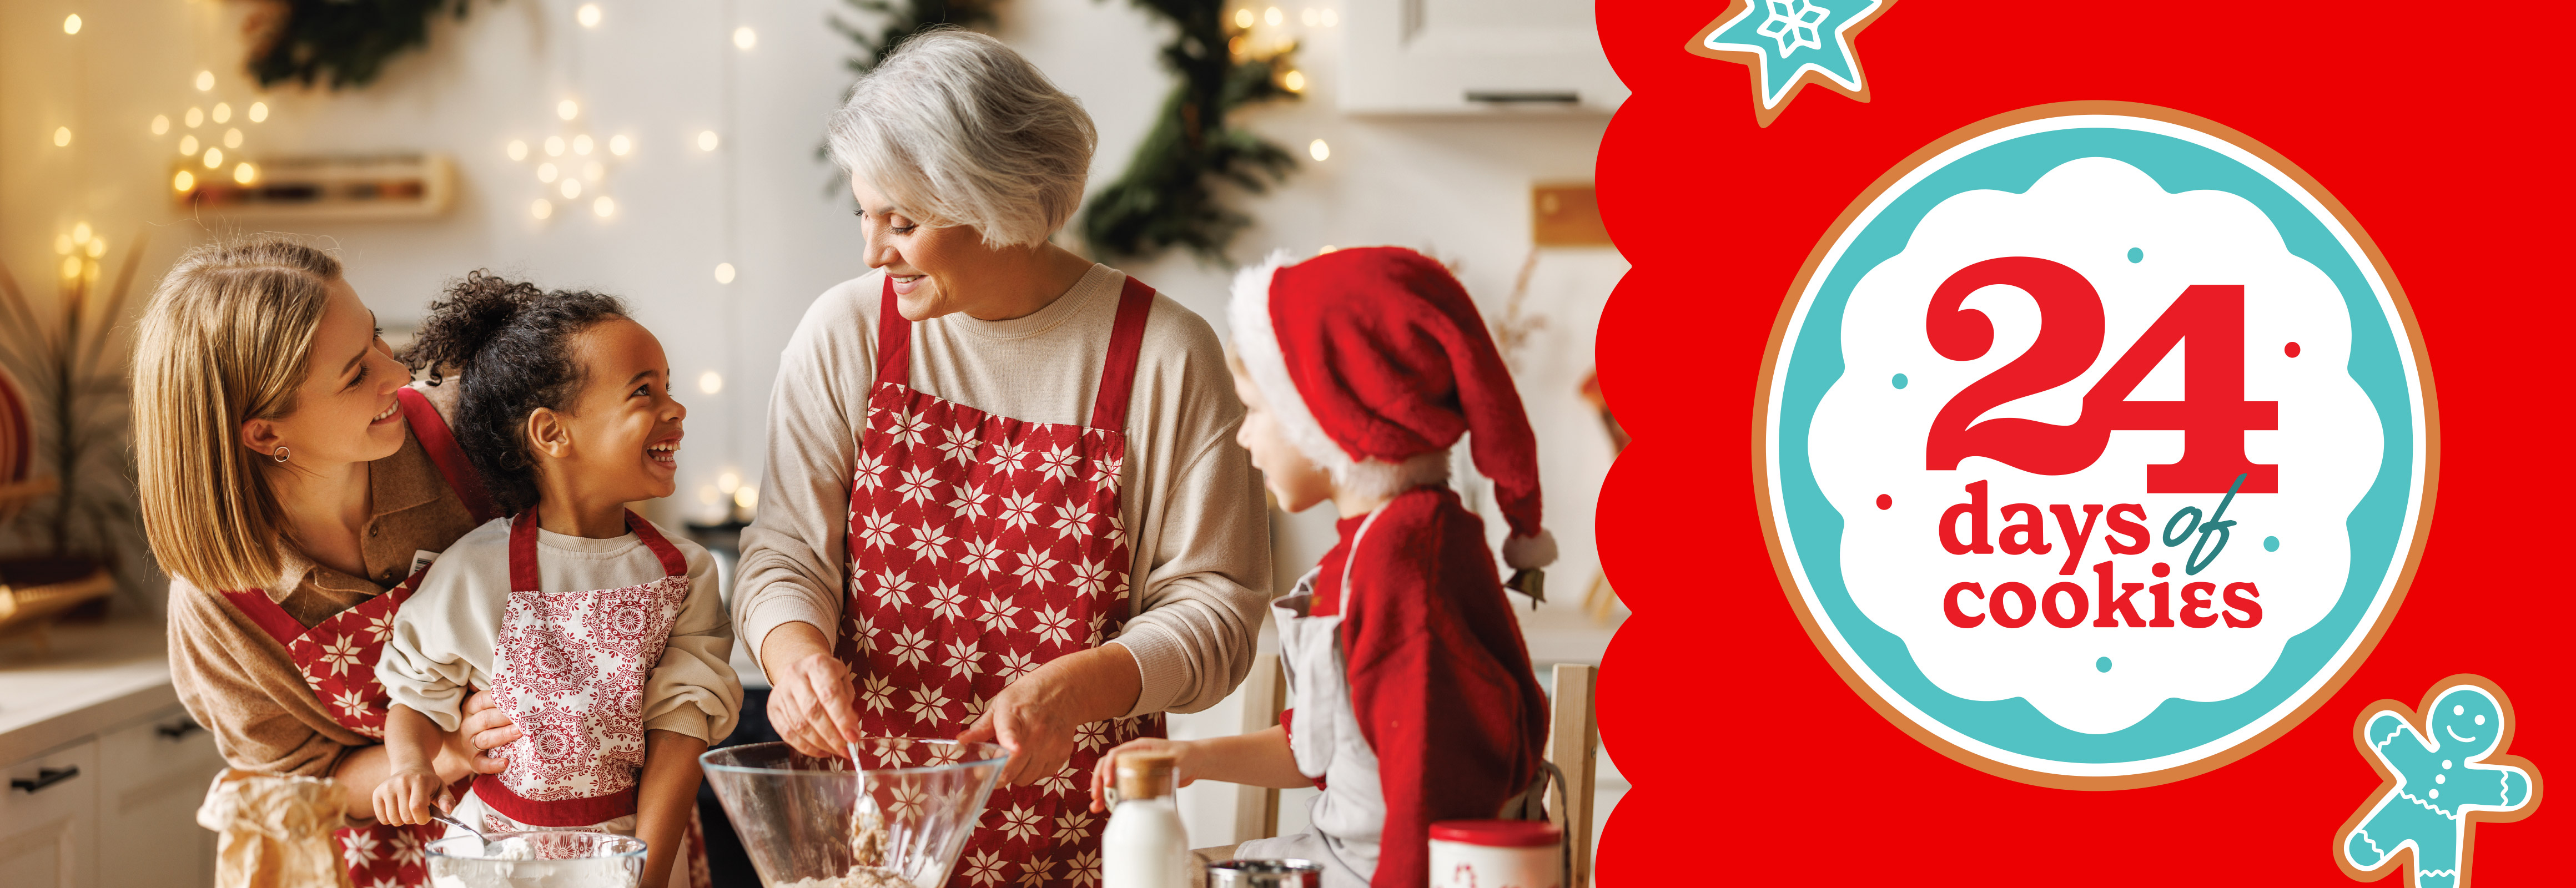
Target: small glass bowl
{"points": [[537, 859]]}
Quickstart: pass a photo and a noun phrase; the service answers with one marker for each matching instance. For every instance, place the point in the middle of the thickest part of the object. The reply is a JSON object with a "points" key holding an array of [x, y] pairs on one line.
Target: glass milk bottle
{"points": [[1144, 845]]}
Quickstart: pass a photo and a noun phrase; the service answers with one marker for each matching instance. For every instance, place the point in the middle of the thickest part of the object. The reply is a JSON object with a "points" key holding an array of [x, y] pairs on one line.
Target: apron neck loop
{"points": [[894, 340], [1117, 373], [430, 429], [673, 563], [523, 552], [523, 549], [1126, 340]]}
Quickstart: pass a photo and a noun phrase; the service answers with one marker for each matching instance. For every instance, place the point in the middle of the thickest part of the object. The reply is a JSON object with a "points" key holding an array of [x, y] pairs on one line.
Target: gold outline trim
{"points": [[2424, 381], [2404, 859], [1764, 114]]}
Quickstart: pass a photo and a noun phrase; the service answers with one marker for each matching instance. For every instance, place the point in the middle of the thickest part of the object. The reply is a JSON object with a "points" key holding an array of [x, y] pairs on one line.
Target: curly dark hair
{"points": [[510, 344]]}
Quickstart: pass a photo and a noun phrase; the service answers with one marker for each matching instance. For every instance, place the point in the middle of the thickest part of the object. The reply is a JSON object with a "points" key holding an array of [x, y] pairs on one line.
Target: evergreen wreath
{"points": [[904, 19], [346, 42], [1168, 198]]}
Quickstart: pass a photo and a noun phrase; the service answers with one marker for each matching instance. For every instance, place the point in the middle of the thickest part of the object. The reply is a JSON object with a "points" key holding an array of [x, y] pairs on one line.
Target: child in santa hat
{"points": [[1412, 693]]}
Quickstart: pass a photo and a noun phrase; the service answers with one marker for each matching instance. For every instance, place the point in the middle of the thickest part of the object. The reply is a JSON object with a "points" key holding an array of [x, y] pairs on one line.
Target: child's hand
{"points": [[406, 796], [1105, 774]]}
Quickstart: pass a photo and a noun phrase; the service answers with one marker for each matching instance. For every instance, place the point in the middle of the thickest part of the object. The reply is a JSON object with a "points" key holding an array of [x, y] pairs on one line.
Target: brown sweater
{"points": [[239, 682]]}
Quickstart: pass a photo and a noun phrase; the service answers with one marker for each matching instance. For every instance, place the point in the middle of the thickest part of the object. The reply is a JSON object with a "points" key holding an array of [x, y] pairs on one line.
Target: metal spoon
{"points": [[446, 818]]}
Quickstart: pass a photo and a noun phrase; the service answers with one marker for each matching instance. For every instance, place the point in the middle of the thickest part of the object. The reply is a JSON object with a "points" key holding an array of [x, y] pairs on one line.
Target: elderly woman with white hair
{"points": [[1003, 501]]}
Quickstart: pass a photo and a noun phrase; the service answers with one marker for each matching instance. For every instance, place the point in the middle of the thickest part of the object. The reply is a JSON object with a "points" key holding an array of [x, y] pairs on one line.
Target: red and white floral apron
{"points": [[569, 667], [338, 660], [980, 548]]}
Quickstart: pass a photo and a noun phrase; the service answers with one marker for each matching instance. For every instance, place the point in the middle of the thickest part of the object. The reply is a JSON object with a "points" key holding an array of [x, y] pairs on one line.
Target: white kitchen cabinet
{"points": [[152, 776], [1475, 57], [49, 820], [105, 770]]}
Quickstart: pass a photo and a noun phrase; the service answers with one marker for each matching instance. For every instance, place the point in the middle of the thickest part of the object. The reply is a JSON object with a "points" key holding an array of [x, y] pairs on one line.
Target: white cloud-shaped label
{"points": [[1868, 441], [2095, 446]]}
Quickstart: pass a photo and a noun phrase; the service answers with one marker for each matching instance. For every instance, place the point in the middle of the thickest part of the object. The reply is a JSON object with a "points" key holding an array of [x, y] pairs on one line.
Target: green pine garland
{"points": [[904, 19], [1167, 198], [346, 42]]}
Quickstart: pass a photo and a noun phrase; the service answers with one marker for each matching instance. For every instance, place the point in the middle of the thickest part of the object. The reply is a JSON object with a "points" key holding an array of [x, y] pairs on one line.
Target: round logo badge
{"points": [[2096, 445]]}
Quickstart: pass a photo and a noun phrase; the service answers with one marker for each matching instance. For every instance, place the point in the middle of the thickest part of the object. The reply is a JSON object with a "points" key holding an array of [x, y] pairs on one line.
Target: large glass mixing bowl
{"points": [[897, 821], [539, 859]]}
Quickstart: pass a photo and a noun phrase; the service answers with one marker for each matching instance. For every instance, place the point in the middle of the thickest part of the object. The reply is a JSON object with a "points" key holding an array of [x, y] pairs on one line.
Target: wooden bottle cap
{"points": [[1144, 775]]}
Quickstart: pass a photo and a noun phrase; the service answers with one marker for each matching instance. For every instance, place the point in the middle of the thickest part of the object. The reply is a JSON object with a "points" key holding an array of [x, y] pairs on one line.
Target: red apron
{"points": [[338, 659], [980, 548]]}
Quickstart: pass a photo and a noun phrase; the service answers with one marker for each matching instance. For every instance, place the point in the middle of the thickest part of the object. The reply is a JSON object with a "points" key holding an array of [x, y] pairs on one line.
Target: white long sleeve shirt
{"points": [[444, 639]]}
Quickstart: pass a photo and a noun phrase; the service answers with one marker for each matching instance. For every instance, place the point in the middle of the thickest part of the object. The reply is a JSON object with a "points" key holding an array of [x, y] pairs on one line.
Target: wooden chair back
{"points": [[1573, 745]]}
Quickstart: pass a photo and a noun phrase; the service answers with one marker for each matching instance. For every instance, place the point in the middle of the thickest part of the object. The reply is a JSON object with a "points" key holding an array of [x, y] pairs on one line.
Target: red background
{"points": [[2438, 127]]}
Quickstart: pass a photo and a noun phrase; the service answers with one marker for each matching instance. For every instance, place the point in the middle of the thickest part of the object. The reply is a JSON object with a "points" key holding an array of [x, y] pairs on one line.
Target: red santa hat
{"points": [[1376, 361]]}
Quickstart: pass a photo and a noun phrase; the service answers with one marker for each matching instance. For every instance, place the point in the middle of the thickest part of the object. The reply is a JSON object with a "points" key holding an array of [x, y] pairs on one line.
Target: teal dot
{"points": [[2102, 665], [2137, 255], [2271, 544], [1899, 380]]}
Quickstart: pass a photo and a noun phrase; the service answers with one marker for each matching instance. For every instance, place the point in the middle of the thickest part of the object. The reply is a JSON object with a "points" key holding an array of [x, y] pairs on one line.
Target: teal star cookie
{"points": [[1791, 42], [2442, 779]]}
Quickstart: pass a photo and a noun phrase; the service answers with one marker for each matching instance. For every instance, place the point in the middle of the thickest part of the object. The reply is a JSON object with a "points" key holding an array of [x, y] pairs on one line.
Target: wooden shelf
{"points": [[24, 491]]}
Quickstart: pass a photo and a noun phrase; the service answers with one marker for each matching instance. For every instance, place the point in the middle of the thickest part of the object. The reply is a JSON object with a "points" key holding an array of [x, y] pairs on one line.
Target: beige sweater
{"points": [[239, 682], [1201, 528], [443, 641]]}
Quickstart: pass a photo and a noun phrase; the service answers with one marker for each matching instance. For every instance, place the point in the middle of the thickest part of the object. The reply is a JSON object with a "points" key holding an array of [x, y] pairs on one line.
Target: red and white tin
{"points": [[1496, 854]]}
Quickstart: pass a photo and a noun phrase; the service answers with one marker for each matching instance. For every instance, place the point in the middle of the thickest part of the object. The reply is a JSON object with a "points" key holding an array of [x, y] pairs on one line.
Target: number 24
{"points": [[2207, 321]]}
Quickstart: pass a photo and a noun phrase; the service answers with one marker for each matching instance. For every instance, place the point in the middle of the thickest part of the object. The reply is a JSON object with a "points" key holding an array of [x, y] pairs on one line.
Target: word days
{"points": [[2095, 444]]}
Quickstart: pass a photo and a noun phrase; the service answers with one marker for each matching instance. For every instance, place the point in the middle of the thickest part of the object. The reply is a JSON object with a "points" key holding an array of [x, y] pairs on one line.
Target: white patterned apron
{"points": [[570, 668], [980, 548]]}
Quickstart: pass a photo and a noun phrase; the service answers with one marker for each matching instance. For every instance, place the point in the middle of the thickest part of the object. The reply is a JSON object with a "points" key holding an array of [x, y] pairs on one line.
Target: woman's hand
{"points": [[485, 728], [1036, 716], [811, 704], [1105, 774]]}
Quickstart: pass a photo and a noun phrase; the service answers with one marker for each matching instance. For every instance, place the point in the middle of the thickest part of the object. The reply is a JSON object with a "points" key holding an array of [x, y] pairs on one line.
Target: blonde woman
{"points": [[290, 477], [1002, 500]]}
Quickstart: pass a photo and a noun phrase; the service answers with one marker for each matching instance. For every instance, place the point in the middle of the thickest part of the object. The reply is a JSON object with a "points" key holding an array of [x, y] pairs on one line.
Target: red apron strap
{"points": [[1118, 373], [523, 553], [432, 432], [272, 619], [894, 341], [673, 563]]}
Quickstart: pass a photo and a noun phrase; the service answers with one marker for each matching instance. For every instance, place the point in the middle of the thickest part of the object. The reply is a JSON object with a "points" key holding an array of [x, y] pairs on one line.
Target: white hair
{"points": [[958, 129]]}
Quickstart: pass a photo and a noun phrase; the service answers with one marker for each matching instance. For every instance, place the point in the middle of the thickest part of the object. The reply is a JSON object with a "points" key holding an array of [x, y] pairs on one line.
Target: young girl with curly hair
{"points": [[602, 634]]}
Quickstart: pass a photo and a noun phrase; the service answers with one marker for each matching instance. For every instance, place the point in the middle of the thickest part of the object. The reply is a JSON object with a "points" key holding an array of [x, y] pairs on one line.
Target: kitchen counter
{"points": [[87, 678]]}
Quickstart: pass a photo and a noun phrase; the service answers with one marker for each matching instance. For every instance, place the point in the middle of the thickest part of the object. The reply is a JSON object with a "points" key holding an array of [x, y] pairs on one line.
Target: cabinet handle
{"points": [[45, 777], [1568, 97], [176, 730]]}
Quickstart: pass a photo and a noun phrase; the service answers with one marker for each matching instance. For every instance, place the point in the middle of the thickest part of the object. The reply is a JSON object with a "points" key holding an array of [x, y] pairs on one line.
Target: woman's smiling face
{"points": [[345, 412], [930, 266]]}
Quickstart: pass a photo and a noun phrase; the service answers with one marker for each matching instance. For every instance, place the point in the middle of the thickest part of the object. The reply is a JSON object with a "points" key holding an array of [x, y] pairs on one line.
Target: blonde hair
{"points": [[226, 340], [961, 130]]}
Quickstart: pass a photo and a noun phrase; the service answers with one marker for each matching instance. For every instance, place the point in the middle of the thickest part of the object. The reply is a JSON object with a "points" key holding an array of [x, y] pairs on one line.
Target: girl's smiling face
{"points": [[621, 441]]}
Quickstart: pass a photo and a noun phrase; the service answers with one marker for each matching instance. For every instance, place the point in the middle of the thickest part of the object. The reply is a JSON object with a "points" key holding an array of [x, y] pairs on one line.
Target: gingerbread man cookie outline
{"points": [[2438, 752]]}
